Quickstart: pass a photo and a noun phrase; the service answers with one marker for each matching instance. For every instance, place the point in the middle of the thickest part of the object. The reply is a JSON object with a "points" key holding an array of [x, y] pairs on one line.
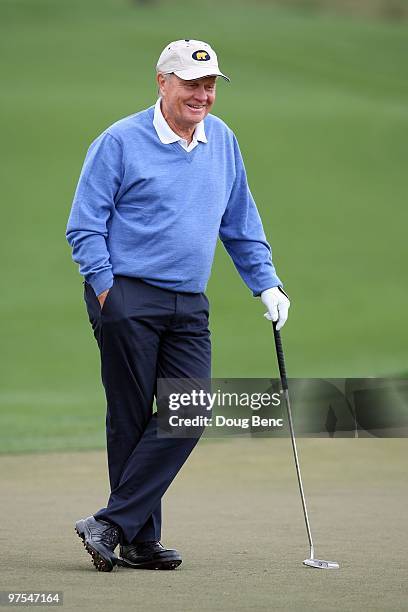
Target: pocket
{"points": [[107, 299]]}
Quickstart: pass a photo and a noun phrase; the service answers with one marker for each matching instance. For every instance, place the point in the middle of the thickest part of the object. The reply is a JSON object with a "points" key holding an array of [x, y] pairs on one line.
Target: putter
{"points": [[312, 561]]}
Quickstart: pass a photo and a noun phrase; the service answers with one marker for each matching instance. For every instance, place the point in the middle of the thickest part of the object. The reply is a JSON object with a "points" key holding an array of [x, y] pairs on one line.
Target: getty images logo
{"points": [[201, 56]]}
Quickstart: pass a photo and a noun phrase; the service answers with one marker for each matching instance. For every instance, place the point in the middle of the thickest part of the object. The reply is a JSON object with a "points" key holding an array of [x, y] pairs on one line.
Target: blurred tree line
{"points": [[390, 10], [385, 9]]}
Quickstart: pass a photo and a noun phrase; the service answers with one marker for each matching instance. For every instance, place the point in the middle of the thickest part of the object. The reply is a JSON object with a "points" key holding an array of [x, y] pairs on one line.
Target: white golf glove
{"points": [[277, 303]]}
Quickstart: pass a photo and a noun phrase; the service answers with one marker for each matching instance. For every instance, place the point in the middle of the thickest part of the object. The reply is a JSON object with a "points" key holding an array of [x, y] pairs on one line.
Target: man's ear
{"points": [[160, 79]]}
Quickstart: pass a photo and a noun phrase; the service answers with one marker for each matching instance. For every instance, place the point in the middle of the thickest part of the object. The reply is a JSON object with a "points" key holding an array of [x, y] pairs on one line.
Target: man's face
{"points": [[186, 103]]}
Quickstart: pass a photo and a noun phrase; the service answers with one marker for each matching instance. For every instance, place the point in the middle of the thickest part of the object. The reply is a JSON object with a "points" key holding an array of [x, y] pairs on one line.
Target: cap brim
{"points": [[199, 73]]}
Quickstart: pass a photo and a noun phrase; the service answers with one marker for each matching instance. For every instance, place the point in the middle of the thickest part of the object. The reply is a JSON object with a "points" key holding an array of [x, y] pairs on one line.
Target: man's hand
{"points": [[277, 303], [102, 297]]}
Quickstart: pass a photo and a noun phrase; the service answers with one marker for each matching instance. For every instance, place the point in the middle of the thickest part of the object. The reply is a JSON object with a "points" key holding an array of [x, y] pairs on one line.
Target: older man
{"points": [[156, 190]]}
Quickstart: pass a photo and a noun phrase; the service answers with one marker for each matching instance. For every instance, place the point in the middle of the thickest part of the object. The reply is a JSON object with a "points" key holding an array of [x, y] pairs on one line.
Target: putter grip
{"points": [[281, 357]]}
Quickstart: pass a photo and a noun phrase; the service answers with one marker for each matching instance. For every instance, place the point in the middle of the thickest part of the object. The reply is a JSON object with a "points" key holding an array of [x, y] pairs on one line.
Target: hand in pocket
{"points": [[102, 297]]}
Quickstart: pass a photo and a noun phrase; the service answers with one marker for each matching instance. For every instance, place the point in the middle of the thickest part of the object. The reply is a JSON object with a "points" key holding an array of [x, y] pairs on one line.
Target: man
{"points": [[156, 190]]}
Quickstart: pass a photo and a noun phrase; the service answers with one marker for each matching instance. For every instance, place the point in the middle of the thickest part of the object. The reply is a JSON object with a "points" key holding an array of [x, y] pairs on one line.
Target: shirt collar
{"points": [[166, 134]]}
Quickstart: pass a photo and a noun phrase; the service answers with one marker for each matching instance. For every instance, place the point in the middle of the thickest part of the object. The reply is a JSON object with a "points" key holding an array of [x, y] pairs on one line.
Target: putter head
{"points": [[320, 564]]}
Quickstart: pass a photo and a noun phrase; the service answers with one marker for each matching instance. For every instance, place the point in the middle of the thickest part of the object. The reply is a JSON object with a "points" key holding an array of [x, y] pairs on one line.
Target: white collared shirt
{"points": [[166, 134]]}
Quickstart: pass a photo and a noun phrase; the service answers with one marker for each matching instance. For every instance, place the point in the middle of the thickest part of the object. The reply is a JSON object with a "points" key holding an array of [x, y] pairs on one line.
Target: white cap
{"points": [[189, 59]]}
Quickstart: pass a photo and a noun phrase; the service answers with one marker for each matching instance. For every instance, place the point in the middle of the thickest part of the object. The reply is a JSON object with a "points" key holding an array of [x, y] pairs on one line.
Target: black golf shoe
{"points": [[100, 539], [149, 555]]}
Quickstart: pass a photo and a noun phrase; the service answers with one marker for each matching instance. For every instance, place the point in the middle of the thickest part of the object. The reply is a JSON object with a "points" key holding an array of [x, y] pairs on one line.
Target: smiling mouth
{"points": [[196, 106]]}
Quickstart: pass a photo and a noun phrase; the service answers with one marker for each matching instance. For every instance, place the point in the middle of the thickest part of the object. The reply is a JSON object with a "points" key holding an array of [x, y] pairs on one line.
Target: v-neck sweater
{"points": [[154, 211]]}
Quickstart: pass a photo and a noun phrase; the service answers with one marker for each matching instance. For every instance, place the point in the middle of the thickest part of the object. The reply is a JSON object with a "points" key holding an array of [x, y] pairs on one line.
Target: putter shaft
{"points": [[299, 476]]}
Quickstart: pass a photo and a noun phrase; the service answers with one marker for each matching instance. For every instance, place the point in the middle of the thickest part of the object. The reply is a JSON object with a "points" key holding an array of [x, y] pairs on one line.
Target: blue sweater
{"points": [[154, 211]]}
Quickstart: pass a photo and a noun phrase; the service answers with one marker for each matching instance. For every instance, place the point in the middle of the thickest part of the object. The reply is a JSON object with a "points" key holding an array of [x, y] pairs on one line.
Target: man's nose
{"points": [[200, 94]]}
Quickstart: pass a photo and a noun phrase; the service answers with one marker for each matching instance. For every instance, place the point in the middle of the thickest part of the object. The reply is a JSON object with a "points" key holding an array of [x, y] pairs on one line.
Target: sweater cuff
{"points": [[273, 281], [100, 281]]}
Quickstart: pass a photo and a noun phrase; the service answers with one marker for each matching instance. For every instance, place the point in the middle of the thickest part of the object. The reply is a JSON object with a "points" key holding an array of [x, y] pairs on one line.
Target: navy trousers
{"points": [[144, 333]]}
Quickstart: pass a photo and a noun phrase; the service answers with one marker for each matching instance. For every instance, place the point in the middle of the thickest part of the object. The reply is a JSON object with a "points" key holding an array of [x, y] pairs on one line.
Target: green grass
{"points": [[319, 104]]}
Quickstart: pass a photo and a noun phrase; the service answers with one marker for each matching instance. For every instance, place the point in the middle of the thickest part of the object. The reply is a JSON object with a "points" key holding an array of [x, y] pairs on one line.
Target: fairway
{"points": [[235, 513]]}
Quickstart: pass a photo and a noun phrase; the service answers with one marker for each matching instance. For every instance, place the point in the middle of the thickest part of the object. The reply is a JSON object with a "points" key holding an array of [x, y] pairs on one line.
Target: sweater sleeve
{"points": [[93, 204], [243, 236]]}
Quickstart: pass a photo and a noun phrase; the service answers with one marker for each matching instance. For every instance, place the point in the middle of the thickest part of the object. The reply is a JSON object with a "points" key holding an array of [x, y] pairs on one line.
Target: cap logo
{"points": [[201, 56]]}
